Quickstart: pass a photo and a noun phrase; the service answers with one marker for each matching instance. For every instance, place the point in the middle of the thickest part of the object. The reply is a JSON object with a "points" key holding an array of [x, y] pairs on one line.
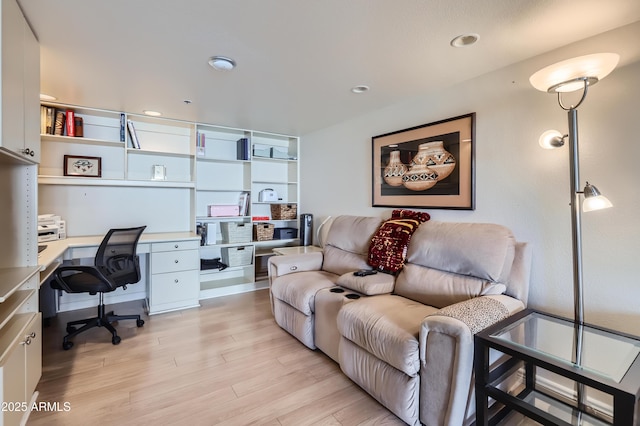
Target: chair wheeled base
{"points": [[102, 320]]}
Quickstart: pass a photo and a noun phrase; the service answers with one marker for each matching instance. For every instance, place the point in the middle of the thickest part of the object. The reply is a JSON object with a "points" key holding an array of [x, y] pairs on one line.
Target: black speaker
{"points": [[306, 229]]}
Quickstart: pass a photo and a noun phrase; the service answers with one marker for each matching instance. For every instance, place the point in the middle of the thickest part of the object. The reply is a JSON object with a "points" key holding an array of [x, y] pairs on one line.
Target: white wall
{"points": [[518, 184]]}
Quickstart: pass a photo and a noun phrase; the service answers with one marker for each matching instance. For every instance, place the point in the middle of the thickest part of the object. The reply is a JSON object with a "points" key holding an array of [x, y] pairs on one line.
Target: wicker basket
{"points": [[263, 231], [284, 211], [237, 256], [235, 232]]}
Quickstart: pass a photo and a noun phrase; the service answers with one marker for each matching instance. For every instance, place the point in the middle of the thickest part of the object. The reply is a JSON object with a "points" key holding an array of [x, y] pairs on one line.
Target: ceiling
{"points": [[296, 59]]}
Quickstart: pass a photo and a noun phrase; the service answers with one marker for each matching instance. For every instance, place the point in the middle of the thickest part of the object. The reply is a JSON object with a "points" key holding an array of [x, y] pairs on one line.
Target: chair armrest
{"points": [[289, 264], [446, 355], [92, 270]]}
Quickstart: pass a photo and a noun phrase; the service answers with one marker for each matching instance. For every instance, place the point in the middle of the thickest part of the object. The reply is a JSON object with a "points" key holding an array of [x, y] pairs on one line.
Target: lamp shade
{"points": [[551, 139], [594, 200], [569, 75]]}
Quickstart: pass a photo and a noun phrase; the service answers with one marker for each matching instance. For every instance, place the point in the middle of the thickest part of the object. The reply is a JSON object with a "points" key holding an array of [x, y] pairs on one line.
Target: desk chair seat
{"points": [[116, 265]]}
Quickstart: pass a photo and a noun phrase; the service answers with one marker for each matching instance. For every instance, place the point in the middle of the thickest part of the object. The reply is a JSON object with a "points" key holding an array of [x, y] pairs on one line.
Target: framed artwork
{"points": [[428, 166], [77, 165]]}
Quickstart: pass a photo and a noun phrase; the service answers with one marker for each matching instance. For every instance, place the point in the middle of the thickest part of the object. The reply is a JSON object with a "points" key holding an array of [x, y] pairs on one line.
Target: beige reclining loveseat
{"points": [[406, 339]]}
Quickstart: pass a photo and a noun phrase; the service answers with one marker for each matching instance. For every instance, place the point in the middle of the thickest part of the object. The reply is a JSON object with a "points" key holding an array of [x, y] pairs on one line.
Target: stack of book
{"points": [[243, 149]]}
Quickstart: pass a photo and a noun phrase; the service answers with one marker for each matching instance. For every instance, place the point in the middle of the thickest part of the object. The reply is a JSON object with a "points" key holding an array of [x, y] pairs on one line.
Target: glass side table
{"points": [[591, 358]]}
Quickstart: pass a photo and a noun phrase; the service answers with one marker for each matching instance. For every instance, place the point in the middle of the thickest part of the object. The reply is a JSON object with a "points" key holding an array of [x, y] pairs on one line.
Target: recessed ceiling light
{"points": [[152, 113], [44, 97], [465, 40], [360, 89], [222, 63]]}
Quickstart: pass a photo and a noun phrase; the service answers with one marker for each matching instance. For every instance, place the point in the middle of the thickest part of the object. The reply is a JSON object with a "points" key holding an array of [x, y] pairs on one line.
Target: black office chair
{"points": [[116, 265]]}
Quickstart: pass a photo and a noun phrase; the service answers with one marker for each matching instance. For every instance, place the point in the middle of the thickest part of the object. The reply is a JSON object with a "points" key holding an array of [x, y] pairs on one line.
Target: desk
{"points": [[174, 264], [608, 361]]}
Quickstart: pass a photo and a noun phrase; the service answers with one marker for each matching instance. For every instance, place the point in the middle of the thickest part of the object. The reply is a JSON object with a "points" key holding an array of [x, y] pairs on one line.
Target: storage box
{"points": [[237, 256], [279, 152], [223, 210], [261, 150], [285, 233], [235, 232], [263, 231], [284, 211]]}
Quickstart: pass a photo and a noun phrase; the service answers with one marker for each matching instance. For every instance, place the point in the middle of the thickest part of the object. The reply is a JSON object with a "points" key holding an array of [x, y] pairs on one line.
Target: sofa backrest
{"points": [[347, 243], [449, 262]]}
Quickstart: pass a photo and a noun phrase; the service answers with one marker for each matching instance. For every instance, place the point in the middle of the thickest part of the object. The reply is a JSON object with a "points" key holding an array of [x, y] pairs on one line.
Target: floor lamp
{"points": [[569, 76]]}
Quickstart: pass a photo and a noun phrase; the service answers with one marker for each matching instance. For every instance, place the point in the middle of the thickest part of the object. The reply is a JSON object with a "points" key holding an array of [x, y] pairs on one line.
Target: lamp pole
{"points": [[576, 219]]}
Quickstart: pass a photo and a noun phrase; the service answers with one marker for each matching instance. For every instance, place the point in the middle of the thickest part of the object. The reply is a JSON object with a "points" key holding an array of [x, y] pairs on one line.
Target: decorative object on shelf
{"points": [[135, 143], [76, 165], [568, 76], [441, 167], [267, 195], [284, 211], [395, 169], [158, 172], [263, 231]]}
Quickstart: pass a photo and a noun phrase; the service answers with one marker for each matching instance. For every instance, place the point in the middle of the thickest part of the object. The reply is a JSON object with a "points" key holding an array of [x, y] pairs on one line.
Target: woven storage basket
{"points": [[237, 256], [284, 211], [263, 231], [235, 232]]}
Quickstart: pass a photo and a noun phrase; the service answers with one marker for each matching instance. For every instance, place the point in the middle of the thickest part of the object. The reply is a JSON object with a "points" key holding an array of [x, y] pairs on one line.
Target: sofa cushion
{"points": [[348, 242], [387, 327], [388, 249], [299, 290], [439, 288], [481, 250], [369, 284]]}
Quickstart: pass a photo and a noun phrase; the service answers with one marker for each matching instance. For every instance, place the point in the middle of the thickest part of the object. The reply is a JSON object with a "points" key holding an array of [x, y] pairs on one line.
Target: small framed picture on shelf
{"points": [[78, 165], [159, 172]]}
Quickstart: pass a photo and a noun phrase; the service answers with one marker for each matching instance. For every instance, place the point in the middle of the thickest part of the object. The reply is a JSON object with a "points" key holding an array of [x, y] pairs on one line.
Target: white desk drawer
{"points": [[175, 287], [175, 245], [173, 261]]}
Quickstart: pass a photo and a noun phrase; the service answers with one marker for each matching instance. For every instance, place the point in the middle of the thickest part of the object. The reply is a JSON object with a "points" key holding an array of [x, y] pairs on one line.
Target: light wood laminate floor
{"points": [[225, 363]]}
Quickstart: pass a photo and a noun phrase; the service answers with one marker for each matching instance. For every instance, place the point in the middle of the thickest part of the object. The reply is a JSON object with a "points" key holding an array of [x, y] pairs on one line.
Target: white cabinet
{"points": [[20, 84], [20, 369], [174, 282]]}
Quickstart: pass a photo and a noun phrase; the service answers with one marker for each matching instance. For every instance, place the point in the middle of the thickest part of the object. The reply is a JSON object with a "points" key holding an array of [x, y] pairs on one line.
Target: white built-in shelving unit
{"points": [[127, 193]]}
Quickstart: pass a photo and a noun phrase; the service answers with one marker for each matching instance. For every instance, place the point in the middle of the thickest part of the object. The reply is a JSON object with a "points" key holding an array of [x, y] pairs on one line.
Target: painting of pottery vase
{"points": [[438, 159], [395, 169]]}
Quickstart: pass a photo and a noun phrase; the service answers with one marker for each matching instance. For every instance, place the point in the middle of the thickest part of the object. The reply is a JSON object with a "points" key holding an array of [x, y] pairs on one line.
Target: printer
{"points": [[51, 227]]}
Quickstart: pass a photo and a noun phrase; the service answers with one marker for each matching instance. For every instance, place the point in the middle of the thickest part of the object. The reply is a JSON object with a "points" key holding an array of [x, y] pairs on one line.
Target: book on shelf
{"points": [[135, 143], [78, 126], [58, 128], [243, 152], [243, 204], [71, 123], [122, 125], [200, 144], [49, 120]]}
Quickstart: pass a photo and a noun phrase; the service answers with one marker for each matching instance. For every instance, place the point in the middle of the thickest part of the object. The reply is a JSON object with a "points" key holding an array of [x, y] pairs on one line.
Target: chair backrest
{"points": [[347, 244], [116, 257]]}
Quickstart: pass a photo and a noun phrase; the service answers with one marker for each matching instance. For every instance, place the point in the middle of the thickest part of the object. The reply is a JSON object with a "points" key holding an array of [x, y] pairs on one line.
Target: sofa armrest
{"points": [[289, 264], [446, 355]]}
